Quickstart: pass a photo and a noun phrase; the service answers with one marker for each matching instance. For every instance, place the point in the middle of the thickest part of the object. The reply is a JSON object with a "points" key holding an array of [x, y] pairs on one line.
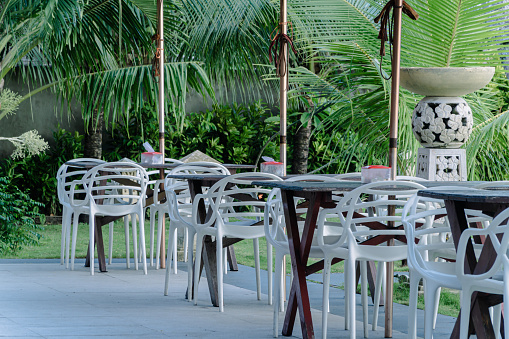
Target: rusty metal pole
{"points": [[160, 48], [283, 87], [393, 148]]}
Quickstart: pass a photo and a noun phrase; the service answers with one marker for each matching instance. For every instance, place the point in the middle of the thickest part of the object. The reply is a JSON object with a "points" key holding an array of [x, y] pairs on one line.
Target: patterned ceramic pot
{"points": [[442, 122]]}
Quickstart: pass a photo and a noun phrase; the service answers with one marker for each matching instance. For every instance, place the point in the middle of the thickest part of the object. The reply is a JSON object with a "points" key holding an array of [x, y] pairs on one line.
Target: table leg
{"points": [[99, 243], [480, 321], [232, 260], [299, 251]]}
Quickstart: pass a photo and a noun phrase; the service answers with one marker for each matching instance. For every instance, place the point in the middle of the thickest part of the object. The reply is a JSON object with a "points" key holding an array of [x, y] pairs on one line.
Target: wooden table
{"points": [[319, 195], [490, 202]]}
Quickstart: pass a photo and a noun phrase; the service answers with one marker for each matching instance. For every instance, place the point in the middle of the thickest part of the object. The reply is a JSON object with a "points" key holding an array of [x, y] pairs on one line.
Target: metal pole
{"points": [[393, 149], [396, 59], [283, 88], [160, 48]]}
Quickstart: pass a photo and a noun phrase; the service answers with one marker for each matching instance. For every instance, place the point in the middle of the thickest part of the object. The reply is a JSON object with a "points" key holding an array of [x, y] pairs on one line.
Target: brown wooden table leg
{"points": [[232, 260], [99, 244], [480, 321], [299, 251]]}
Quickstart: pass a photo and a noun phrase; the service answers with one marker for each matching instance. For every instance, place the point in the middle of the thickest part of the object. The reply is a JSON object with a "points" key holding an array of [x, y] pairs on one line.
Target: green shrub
{"points": [[17, 214], [37, 174], [230, 134]]}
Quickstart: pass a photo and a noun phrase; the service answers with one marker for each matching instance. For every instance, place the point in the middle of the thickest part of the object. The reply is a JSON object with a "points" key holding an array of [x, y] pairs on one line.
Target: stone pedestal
{"points": [[442, 164]]}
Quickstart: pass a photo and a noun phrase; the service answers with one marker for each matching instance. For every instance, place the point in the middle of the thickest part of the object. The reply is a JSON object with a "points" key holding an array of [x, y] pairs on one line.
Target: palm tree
{"points": [[97, 52], [342, 37]]}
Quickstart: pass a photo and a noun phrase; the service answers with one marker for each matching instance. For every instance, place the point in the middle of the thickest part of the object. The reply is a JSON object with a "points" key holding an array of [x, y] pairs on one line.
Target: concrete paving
{"points": [[40, 298]]}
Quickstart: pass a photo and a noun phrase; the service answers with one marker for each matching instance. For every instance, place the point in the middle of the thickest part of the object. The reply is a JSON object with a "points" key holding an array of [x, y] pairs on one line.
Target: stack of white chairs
{"points": [[112, 189], [178, 199], [67, 176], [157, 208], [161, 208]]}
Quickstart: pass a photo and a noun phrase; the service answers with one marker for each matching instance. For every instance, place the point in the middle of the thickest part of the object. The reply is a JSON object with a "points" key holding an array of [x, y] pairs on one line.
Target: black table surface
{"points": [[347, 185], [166, 166], [497, 195]]}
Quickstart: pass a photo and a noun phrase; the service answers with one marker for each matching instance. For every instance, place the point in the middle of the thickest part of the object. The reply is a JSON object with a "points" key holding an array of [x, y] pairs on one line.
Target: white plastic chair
{"points": [[65, 178], [125, 197], [179, 209], [274, 225], [230, 218], [161, 208], [156, 208], [353, 212], [495, 280]]}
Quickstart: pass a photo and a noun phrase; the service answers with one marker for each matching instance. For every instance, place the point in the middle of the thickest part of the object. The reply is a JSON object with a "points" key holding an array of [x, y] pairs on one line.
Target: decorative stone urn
{"points": [[442, 121]]}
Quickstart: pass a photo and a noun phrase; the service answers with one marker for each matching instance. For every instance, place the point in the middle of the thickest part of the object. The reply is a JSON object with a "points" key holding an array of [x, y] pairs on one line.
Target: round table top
{"points": [[498, 195]]}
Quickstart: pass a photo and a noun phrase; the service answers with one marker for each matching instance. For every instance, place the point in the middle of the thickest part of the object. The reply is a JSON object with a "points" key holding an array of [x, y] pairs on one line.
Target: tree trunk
{"points": [[94, 137], [301, 149]]}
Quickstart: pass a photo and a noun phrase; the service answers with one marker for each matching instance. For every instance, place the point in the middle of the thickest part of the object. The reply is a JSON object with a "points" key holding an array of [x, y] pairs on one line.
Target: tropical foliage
{"points": [[99, 53], [17, 218], [342, 38]]}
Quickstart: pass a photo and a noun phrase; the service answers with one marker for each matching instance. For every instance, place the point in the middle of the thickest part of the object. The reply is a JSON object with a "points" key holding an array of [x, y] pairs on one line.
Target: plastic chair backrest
{"points": [[224, 207], [274, 214], [111, 187], [498, 234], [68, 175], [355, 209], [177, 191]]}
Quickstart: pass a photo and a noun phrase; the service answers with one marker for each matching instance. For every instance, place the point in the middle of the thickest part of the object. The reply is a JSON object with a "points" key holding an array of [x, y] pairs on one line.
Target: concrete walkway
{"points": [[42, 299]]}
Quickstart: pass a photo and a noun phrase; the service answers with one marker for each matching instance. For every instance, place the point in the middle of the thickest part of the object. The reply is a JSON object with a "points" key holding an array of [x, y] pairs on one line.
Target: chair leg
{"points": [[142, 242], [127, 251], [350, 266], [64, 235], [225, 261], [219, 256], [256, 249], [269, 273], [364, 295], [466, 295], [278, 277], [74, 238], [171, 245], [135, 241], [68, 222], [186, 243], [429, 309], [91, 232], [496, 312], [160, 228], [325, 298], [506, 302], [380, 277], [197, 264], [347, 299], [175, 254], [168, 261], [437, 302], [152, 225], [412, 315], [110, 245], [191, 236]]}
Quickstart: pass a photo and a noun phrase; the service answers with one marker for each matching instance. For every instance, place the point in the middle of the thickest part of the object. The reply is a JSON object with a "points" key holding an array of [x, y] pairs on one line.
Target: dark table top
{"points": [[167, 166], [345, 185], [497, 195]]}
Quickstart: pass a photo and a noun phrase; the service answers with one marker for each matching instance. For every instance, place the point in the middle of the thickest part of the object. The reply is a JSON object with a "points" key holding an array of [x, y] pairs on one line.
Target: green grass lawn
{"points": [[49, 248]]}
